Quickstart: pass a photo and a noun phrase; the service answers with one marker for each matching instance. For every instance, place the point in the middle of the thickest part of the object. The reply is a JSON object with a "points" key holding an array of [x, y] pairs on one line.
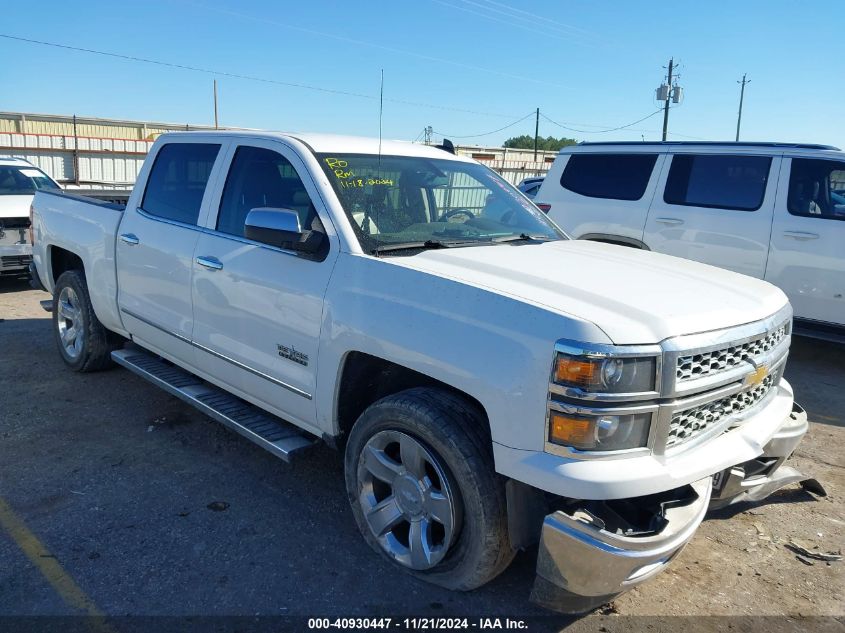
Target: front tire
{"points": [[84, 344], [423, 489]]}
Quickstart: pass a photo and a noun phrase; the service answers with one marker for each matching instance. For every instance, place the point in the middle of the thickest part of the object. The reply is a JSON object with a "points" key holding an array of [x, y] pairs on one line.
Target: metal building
{"points": [[512, 164], [82, 152], [104, 156]]}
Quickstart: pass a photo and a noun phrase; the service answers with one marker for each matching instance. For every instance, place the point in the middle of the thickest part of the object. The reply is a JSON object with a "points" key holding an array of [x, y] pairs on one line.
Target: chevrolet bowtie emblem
{"points": [[756, 377]]}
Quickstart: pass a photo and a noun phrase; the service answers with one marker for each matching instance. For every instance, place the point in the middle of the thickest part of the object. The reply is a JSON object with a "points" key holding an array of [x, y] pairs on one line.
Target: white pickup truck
{"points": [[493, 383]]}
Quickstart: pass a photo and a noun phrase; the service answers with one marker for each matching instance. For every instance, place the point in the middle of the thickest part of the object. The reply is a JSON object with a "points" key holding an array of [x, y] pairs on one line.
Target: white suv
{"points": [[775, 211]]}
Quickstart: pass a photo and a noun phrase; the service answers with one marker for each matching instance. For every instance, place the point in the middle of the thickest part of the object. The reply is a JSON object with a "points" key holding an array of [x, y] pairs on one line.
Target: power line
{"points": [[525, 27], [265, 80], [537, 17], [321, 89], [533, 21], [530, 114], [613, 129], [372, 44]]}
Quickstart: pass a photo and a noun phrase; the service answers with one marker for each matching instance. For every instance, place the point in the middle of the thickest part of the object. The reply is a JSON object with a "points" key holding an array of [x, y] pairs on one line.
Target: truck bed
{"points": [[85, 227]]}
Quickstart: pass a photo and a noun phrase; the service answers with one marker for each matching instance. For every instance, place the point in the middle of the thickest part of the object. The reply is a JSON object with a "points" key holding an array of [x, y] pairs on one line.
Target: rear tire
{"points": [[468, 546], [84, 344]]}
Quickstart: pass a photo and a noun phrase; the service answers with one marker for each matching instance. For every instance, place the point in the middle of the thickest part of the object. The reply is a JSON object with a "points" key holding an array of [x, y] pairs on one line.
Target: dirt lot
{"points": [[118, 481]]}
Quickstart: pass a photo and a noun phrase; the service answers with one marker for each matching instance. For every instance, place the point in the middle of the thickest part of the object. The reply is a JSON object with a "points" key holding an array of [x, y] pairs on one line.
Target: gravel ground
{"points": [[116, 479]]}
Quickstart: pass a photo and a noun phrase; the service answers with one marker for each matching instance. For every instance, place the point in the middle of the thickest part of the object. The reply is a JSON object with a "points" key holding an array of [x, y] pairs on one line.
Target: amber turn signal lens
{"points": [[570, 431], [577, 371]]}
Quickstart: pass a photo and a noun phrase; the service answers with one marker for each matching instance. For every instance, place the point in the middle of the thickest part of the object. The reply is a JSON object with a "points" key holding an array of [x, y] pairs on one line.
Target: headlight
{"points": [[603, 374], [599, 432]]}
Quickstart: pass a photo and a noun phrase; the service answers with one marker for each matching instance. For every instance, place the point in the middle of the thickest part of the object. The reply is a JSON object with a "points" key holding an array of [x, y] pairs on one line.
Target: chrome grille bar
{"points": [[703, 364]]}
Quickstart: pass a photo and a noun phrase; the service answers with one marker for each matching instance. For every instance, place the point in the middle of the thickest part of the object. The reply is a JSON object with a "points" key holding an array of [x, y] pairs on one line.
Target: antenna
{"points": [[380, 111]]}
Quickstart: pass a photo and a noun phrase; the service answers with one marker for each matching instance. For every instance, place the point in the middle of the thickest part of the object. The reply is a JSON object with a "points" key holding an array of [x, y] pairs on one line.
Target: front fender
{"points": [[495, 348]]}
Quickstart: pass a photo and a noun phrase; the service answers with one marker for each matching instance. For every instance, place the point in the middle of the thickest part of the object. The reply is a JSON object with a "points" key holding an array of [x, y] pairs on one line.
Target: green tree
{"points": [[549, 143]]}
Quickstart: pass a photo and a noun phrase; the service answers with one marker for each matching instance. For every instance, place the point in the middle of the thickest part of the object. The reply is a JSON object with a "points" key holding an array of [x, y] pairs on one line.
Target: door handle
{"points": [[801, 235], [129, 238], [210, 262], [669, 221]]}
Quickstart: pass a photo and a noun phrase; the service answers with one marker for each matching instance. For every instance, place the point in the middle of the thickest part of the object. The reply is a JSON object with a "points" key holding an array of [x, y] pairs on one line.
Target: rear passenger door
{"points": [[715, 208], [807, 259], [259, 308], [601, 195], [155, 247]]}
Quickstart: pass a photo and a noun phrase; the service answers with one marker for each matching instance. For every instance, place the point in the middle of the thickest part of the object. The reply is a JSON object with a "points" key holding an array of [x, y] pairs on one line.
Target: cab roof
{"points": [[335, 143]]}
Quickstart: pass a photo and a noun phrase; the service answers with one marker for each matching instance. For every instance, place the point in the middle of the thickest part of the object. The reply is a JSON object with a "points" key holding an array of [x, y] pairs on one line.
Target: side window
{"points": [[718, 181], [611, 176], [261, 177], [177, 181], [817, 188]]}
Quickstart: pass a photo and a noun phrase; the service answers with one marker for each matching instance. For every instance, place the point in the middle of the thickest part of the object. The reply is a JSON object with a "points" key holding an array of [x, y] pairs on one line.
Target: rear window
{"points": [[177, 181], [716, 181], [16, 181], [612, 176]]}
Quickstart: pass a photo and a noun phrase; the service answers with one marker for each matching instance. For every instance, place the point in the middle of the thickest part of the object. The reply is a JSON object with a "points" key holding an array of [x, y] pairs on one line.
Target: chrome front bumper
{"points": [[581, 565], [591, 564]]}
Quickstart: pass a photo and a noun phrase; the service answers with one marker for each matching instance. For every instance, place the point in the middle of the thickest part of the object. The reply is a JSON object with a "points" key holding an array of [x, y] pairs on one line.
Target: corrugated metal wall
{"points": [[514, 165], [111, 152]]}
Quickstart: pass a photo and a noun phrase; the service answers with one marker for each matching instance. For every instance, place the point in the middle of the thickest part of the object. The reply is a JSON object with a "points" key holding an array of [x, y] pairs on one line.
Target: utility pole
{"points": [[668, 96], [75, 153], [215, 105], [536, 132], [427, 132], [741, 97]]}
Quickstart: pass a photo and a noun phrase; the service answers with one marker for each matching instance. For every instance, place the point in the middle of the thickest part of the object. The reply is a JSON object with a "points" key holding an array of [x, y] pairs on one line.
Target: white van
{"points": [[775, 211], [19, 180]]}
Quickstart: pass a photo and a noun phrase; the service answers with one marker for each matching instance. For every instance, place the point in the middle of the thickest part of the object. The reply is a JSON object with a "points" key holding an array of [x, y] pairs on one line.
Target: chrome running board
{"points": [[277, 436]]}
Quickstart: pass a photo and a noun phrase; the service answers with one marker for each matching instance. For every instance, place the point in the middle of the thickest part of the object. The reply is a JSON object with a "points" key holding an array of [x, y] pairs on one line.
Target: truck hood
{"points": [[634, 296], [15, 206]]}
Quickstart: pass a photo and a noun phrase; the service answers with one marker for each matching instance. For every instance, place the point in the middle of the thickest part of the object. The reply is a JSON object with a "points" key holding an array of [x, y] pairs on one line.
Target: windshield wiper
{"points": [[426, 245], [522, 237]]}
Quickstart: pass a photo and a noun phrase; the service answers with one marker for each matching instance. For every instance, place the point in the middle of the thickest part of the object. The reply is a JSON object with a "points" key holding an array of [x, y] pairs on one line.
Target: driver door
{"points": [[258, 308]]}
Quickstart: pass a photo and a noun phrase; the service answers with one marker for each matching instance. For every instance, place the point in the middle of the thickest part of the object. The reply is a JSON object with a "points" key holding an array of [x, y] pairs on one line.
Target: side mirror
{"points": [[281, 228]]}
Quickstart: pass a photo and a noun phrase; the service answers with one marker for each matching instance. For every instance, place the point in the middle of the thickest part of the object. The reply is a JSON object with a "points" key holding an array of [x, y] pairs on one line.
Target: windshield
{"points": [[418, 202], [16, 181]]}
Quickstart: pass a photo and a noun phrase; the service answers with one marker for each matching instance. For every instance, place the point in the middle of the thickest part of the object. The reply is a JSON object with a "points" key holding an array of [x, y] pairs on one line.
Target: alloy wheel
{"points": [[406, 499]]}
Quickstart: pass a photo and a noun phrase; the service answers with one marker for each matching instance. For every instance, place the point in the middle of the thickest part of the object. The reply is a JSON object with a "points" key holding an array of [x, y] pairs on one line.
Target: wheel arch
{"points": [[62, 260], [364, 379]]}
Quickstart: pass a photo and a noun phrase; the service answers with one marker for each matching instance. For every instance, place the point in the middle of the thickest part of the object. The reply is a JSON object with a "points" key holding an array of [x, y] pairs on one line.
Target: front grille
{"points": [[707, 363], [13, 261], [14, 223], [692, 422]]}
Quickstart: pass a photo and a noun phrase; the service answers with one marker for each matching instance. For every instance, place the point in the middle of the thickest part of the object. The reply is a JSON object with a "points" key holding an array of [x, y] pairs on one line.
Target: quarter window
{"points": [[261, 177], [611, 176], [817, 188], [178, 179], [716, 181]]}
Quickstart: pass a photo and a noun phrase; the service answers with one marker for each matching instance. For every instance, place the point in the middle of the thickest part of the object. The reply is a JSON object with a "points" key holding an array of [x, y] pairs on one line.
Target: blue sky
{"points": [[482, 64]]}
